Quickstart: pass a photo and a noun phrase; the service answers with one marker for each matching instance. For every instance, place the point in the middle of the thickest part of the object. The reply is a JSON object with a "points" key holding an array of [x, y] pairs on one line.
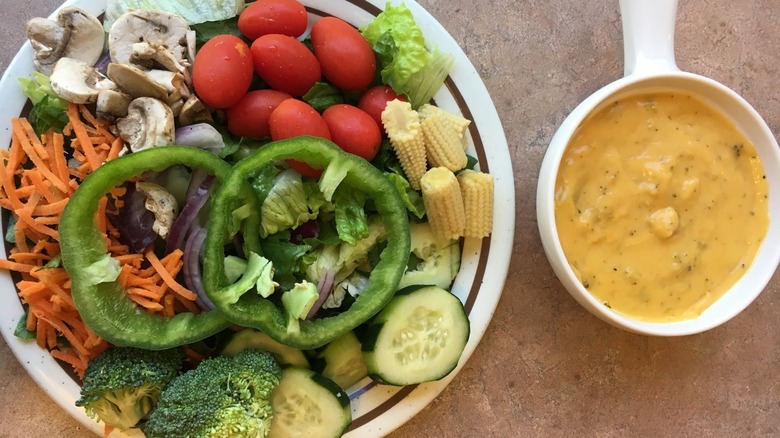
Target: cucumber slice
{"points": [[419, 337], [440, 259], [306, 405], [251, 338], [344, 362]]}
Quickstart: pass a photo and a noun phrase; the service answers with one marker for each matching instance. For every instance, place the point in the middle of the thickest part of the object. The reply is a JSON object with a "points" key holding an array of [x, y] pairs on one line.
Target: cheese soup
{"points": [[660, 205]]}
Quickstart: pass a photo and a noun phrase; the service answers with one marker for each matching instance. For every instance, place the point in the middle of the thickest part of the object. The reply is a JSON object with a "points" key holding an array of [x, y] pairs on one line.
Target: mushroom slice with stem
{"points": [[149, 123], [155, 57], [172, 82], [78, 82], [153, 27], [162, 204], [135, 82], [194, 111], [112, 104], [76, 34]]}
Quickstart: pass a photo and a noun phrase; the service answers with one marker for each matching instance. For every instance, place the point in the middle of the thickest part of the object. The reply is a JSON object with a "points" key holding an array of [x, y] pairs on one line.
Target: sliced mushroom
{"points": [[112, 104], [162, 204], [194, 111], [78, 82], [155, 57], [76, 34], [153, 27], [149, 123], [176, 107], [172, 82], [135, 82]]}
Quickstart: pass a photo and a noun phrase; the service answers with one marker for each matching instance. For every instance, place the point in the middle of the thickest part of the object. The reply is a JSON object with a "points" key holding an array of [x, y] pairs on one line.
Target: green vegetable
{"points": [[105, 307], [234, 267], [439, 259], [194, 11], [340, 168], [411, 197], [10, 233], [55, 262], [351, 222], [209, 29], [49, 110], [122, 385], [307, 404], [285, 256], [250, 338], [344, 258], [257, 275], [223, 397], [289, 203], [419, 337], [21, 331], [299, 300], [407, 65], [323, 95], [106, 269], [343, 361]]}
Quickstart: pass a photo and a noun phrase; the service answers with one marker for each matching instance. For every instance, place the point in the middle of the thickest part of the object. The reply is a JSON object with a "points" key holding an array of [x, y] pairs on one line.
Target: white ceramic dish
{"points": [[648, 29], [377, 409]]}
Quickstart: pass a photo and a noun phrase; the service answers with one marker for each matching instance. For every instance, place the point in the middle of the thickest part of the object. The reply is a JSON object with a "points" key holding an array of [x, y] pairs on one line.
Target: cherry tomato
{"points": [[346, 57], [374, 100], [353, 130], [263, 17], [249, 117], [222, 71], [285, 64], [292, 118]]}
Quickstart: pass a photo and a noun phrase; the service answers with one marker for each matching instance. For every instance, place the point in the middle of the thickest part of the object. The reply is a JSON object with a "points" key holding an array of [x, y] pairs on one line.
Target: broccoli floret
{"points": [[223, 397], [122, 385]]}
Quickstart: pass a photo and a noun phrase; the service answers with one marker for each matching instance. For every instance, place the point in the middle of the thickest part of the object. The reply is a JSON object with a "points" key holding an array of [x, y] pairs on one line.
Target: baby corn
{"points": [[476, 188], [443, 203], [442, 143], [402, 125], [458, 123]]}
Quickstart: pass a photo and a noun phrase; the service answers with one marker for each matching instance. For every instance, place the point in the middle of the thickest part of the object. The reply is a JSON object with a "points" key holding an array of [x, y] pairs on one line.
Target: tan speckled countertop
{"points": [[546, 367]]}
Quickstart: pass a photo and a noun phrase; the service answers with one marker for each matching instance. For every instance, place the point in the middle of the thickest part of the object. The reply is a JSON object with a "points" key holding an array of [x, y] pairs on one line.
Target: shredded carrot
{"points": [[16, 156], [167, 278], [18, 267], [82, 136], [36, 183], [192, 354]]}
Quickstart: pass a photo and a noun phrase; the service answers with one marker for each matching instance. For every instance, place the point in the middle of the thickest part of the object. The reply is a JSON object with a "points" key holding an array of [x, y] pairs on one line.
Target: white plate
{"points": [[377, 409]]}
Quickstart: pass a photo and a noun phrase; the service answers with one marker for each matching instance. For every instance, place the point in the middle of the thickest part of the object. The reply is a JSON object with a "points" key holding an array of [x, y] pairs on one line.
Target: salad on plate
{"points": [[223, 217]]}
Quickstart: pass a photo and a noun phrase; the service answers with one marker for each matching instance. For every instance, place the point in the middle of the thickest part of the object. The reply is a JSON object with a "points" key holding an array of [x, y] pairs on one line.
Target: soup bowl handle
{"points": [[648, 36]]}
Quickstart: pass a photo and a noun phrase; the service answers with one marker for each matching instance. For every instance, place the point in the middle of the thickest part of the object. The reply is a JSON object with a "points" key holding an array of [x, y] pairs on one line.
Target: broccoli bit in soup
{"points": [[660, 205]]}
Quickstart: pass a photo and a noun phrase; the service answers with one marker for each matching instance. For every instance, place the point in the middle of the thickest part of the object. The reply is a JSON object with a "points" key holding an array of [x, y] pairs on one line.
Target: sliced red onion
{"points": [[192, 273], [306, 230], [188, 215], [200, 135], [197, 178], [101, 64], [324, 287], [134, 222]]}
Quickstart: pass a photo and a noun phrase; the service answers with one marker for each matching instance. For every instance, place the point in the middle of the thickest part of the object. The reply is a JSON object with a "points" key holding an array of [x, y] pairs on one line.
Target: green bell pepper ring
{"points": [[251, 309], [105, 307]]}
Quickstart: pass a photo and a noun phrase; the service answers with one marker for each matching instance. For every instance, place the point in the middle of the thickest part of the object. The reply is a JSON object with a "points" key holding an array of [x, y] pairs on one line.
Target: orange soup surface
{"points": [[660, 205]]}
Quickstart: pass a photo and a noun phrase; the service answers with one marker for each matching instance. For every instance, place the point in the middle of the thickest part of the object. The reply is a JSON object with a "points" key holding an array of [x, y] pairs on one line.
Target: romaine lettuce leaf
{"points": [[104, 270], [407, 65], [351, 222], [49, 110], [289, 203]]}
